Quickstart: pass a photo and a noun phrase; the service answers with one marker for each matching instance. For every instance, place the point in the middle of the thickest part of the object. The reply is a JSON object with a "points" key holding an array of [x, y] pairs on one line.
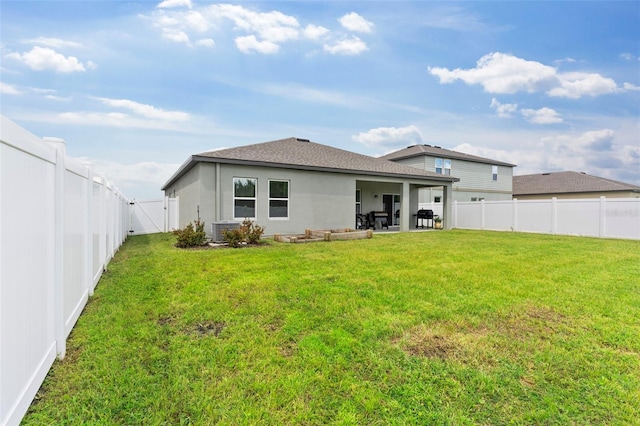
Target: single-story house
{"points": [[570, 185], [479, 178], [293, 184]]}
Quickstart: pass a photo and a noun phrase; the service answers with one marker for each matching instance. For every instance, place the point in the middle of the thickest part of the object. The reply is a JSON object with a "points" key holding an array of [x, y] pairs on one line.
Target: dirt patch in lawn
{"points": [[476, 344], [208, 328]]}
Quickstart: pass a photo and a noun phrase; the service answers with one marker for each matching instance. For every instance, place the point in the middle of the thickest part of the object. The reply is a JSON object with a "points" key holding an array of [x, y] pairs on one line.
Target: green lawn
{"points": [[456, 327]]}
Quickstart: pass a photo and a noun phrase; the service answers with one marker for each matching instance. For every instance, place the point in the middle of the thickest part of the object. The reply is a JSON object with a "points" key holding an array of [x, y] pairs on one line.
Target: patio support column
{"points": [[405, 209], [447, 198]]}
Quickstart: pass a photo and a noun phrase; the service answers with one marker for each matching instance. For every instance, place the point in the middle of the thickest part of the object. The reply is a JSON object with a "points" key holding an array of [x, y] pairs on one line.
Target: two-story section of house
{"points": [[480, 178]]}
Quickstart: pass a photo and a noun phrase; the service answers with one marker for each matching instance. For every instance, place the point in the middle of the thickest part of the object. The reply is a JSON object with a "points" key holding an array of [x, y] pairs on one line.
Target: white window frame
{"points": [[494, 173], [254, 198], [287, 199], [444, 164], [358, 203]]}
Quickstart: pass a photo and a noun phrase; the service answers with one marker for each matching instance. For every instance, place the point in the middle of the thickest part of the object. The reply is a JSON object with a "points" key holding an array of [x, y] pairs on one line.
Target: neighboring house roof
{"points": [[295, 153], [436, 151], [566, 182]]}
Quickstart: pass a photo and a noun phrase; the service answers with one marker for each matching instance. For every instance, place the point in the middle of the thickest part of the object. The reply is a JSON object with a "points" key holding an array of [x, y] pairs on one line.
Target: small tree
{"points": [[192, 235]]}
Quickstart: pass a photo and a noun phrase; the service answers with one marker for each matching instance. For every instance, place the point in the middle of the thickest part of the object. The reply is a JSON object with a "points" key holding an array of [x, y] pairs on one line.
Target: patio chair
{"points": [[362, 222]]}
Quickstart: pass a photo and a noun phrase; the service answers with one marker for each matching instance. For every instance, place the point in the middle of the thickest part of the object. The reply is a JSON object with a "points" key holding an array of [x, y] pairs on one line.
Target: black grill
{"points": [[424, 215]]}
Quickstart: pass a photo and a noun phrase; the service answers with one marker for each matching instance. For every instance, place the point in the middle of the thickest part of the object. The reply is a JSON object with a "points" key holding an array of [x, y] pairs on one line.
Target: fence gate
{"points": [[153, 216]]}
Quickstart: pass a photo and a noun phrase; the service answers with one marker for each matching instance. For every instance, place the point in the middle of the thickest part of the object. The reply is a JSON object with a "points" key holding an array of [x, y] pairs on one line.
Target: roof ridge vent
{"points": [[546, 174], [439, 147], [302, 140]]}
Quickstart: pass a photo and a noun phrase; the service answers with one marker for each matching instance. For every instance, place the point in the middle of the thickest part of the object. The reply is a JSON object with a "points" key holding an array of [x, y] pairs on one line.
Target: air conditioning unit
{"points": [[218, 228]]}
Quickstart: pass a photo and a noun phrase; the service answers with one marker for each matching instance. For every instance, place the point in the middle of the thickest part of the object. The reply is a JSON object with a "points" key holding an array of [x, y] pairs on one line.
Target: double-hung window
{"points": [[244, 198], [358, 201], [494, 172], [278, 198], [443, 166]]}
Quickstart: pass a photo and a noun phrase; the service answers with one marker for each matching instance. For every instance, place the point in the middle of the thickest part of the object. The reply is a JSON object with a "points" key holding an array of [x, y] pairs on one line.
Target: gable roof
{"points": [[302, 154], [436, 151], [566, 182]]}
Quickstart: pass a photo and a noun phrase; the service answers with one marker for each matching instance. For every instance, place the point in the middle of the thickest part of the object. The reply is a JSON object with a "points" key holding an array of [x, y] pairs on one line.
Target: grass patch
{"points": [[458, 327]]}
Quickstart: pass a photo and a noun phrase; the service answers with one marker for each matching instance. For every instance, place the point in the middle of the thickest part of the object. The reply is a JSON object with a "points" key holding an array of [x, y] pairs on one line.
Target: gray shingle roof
{"points": [[305, 155], [436, 151], [566, 182]]}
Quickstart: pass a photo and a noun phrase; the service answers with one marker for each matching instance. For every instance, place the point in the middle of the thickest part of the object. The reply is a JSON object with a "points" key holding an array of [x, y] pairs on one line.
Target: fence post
{"points": [[102, 237], [482, 214], [166, 214], [88, 253], [603, 217], [554, 215], [58, 290], [514, 220], [455, 213]]}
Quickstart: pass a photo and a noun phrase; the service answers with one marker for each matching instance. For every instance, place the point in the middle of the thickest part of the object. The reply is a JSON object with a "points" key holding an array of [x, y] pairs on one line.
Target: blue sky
{"points": [[135, 87]]}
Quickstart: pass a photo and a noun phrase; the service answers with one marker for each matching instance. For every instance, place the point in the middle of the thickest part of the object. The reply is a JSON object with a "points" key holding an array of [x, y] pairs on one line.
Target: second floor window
{"points": [[443, 166], [494, 172]]}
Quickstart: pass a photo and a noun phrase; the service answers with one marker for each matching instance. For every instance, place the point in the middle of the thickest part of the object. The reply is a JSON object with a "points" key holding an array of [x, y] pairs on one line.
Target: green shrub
{"points": [[233, 236], [248, 232], [252, 232], [192, 235]]}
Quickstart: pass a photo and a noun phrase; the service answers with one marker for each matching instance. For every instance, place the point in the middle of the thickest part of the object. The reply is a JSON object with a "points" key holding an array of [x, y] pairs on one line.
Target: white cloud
{"points": [[354, 22], [504, 73], [141, 180], [541, 116], [388, 138], [206, 42], [175, 3], [175, 35], [57, 98], [627, 56], [273, 27], [483, 151], [577, 84], [7, 89], [315, 32], [500, 73], [630, 87], [503, 110], [248, 44], [54, 42], [142, 172], [110, 119], [259, 32], [351, 46], [43, 58], [145, 110]]}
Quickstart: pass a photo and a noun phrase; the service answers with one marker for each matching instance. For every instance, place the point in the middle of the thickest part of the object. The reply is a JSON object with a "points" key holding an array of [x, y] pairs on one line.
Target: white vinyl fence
{"points": [[152, 216], [596, 217], [59, 225]]}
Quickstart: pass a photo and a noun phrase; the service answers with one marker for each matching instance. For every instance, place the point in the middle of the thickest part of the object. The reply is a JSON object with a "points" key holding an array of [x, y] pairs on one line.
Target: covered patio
{"points": [[392, 205]]}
